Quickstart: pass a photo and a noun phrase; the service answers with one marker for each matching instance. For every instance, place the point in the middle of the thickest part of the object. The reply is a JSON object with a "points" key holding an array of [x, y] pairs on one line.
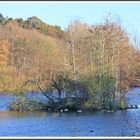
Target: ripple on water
{"points": [[118, 123]]}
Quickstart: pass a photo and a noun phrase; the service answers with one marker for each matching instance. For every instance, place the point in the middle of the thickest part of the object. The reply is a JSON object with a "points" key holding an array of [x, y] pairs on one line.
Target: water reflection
{"points": [[27, 114]]}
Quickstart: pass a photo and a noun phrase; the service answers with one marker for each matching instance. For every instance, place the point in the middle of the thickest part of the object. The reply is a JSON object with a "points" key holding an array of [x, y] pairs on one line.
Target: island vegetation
{"points": [[88, 67]]}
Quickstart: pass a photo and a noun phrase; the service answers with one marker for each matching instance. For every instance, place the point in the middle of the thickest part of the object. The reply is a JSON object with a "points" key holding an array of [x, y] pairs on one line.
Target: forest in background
{"points": [[96, 63]]}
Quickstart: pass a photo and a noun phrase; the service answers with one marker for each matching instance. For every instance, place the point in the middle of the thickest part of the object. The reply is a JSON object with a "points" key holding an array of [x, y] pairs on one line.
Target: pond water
{"points": [[118, 123]]}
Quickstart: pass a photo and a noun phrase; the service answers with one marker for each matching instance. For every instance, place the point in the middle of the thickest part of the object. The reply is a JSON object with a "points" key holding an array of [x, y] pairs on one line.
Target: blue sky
{"points": [[60, 13]]}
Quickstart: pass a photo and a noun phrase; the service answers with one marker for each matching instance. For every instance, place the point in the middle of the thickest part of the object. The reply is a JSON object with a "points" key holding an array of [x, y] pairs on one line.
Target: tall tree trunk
{"points": [[74, 67]]}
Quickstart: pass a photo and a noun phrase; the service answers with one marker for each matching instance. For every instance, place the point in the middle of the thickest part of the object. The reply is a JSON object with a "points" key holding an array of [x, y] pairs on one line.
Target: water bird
{"points": [[66, 110], [79, 110], [138, 106], [129, 106]]}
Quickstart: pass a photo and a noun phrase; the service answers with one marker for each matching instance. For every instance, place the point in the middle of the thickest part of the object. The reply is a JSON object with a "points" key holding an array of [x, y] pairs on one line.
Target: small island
{"points": [[89, 65]]}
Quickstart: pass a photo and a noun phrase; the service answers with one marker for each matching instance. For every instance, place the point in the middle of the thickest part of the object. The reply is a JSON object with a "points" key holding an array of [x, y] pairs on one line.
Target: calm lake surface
{"points": [[118, 123]]}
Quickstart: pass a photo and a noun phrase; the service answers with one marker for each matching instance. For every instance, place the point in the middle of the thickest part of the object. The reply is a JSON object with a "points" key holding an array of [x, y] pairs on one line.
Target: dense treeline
{"points": [[94, 64], [34, 22]]}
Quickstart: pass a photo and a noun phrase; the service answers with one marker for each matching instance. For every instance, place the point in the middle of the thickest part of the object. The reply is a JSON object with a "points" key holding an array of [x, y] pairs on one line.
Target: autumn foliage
{"points": [[95, 61]]}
